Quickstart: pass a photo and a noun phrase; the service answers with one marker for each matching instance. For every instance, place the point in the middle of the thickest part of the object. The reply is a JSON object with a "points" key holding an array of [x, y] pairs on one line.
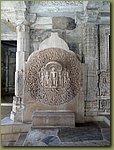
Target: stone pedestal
{"points": [[53, 119]]}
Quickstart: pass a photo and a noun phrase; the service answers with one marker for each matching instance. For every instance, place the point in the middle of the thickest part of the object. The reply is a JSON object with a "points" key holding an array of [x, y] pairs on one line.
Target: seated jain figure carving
{"points": [[53, 80]]}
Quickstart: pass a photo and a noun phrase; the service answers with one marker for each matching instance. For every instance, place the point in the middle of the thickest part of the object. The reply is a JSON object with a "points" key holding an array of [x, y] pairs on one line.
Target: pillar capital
{"points": [[23, 27]]}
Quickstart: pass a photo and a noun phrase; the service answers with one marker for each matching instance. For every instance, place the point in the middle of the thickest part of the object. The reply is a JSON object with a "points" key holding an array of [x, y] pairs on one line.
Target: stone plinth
{"points": [[53, 119]]}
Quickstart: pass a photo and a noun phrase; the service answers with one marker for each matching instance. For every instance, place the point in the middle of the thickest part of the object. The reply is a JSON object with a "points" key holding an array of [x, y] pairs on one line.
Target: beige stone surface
{"points": [[9, 137], [6, 129], [14, 128], [53, 119], [31, 107]]}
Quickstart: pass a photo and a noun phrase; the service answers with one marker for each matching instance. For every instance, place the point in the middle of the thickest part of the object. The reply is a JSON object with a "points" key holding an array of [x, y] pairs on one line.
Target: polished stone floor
{"points": [[86, 134]]}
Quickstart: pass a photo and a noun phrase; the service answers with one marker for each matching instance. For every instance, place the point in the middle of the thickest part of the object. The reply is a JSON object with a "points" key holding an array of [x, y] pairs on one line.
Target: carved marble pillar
{"points": [[104, 73], [90, 51], [23, 39], [23, 46]]}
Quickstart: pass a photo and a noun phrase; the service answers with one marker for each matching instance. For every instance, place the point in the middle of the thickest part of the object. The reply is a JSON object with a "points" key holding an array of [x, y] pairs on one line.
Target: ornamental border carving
{"points": [[68, 73]]}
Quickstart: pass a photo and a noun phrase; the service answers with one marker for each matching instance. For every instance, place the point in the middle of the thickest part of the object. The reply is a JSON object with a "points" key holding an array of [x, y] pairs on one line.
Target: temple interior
{"points": [[55, 73]]}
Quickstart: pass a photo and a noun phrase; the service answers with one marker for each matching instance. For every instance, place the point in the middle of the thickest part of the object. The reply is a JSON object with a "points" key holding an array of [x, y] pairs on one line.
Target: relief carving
{"points": [[105, 105], [104, 83], [53, 76]]}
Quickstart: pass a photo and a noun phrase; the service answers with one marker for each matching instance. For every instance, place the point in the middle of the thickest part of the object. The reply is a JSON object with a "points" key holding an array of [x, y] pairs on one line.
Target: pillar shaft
{"points": [[23, 39], [23, 46], [22, 54]]}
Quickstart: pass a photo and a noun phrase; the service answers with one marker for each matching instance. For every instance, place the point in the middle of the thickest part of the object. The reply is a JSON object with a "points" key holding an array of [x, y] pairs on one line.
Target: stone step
{"points": [[53, 119], [21, 139]]}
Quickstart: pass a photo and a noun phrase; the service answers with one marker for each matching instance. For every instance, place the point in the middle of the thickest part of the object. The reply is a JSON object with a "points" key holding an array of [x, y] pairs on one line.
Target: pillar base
{"points": [[17, 109]]}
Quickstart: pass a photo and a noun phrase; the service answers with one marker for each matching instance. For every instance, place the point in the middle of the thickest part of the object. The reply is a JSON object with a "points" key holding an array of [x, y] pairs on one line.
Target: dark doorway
{"points": [[8, 65]]}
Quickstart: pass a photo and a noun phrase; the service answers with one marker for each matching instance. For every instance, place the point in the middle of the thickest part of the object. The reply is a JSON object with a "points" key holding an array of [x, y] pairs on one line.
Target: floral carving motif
{"points": [[53, 76]]}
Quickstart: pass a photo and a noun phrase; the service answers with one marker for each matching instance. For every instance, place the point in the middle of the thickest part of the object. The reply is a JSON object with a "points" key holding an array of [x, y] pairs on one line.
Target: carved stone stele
{"points": [[53, 80], [53, 76]]}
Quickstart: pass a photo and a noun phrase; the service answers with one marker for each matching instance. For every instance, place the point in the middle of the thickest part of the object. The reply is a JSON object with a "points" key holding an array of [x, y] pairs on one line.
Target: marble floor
{"points": [[85, 134]]}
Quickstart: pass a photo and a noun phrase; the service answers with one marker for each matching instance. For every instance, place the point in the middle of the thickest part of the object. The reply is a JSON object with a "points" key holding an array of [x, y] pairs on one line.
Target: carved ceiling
{"points": [[82, 11]]}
